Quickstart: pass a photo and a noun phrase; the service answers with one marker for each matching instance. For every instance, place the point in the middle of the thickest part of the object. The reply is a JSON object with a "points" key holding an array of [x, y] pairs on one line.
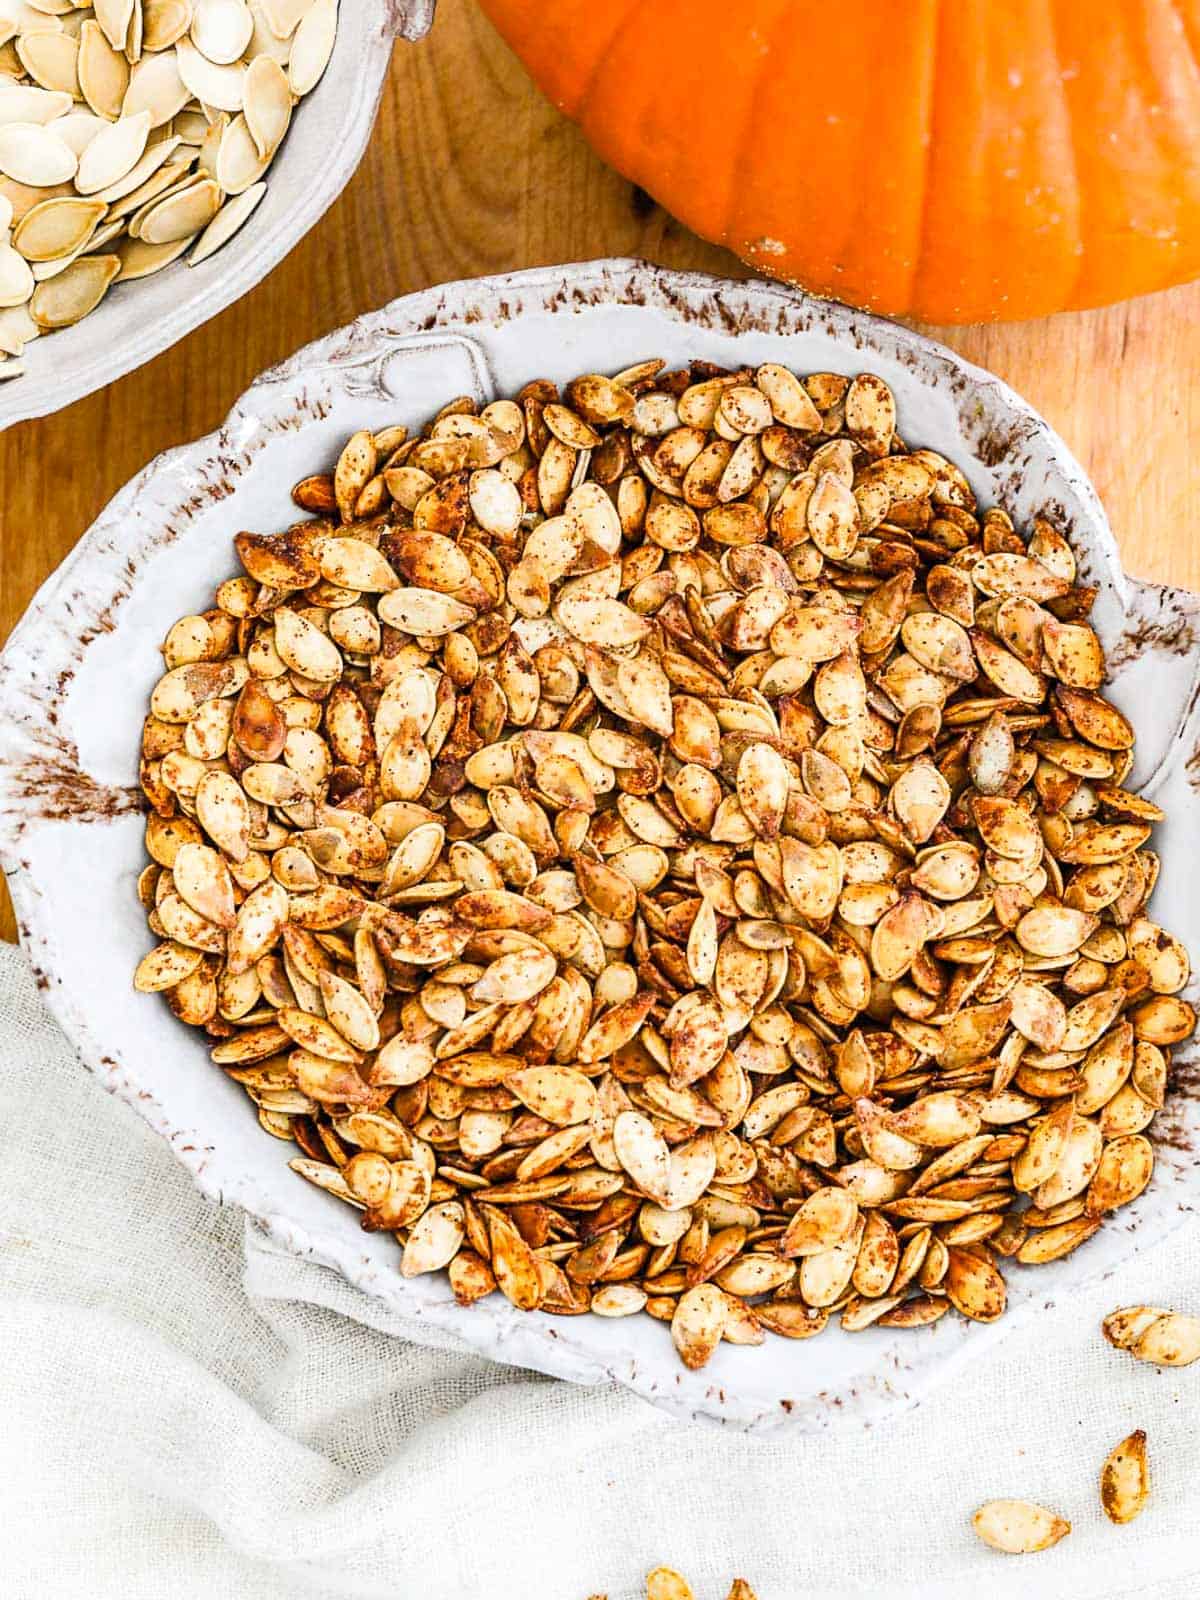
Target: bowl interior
{"points": [[75, 681]]}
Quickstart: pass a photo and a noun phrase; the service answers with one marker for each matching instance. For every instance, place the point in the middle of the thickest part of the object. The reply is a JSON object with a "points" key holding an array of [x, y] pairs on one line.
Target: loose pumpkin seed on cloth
{"points": [[1018, 1527], [664, 1583], [661, 847], [1163, 1338], [133, 132]]}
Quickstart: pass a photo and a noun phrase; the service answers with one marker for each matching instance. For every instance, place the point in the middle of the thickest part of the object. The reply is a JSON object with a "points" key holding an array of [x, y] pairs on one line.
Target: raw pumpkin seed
{"points": [[641, 880], [76, 290]]}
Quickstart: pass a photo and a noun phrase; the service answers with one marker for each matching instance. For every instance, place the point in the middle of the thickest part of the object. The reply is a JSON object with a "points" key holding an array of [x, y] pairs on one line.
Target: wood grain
{"points": [[471, 171]]}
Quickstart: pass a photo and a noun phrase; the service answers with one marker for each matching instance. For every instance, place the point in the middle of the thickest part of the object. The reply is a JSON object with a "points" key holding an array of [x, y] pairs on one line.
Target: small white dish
{"points": [[77, 672], [324, 146]]}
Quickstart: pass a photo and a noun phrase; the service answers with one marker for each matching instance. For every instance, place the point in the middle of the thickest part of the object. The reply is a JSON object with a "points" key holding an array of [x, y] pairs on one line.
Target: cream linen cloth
{"points": [[186, 1412]]}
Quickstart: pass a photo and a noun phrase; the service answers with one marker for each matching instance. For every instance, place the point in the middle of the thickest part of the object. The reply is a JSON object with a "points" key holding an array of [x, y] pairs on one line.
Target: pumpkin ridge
{"points": [[750, 130], [1139, 201], [923, 243], [1174, 141], [631, 14], [1189, 22], [701, 206], [1078, 295], [1077, 187], [1002, 220]]}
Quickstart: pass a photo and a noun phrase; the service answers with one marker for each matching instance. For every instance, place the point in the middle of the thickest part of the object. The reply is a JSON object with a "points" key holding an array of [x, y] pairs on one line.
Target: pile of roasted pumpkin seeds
{"points": [[133, 131], [661, 847]]}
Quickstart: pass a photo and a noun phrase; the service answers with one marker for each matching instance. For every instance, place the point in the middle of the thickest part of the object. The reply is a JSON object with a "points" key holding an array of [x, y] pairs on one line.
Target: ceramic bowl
{"points": [[324, 146], [77, 672]]}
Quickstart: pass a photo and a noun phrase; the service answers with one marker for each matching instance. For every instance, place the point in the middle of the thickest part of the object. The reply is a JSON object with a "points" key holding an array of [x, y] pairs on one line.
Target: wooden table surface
{"points": [[471, 171]]}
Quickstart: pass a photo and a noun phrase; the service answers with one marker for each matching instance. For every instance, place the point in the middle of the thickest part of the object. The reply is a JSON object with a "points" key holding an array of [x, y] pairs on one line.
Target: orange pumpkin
{"points": [[955, 161]]}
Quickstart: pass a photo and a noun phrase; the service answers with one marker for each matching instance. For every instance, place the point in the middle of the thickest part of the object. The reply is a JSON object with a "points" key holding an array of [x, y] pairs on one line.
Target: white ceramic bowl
{"points": [[75, 678], [324, 145]]}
